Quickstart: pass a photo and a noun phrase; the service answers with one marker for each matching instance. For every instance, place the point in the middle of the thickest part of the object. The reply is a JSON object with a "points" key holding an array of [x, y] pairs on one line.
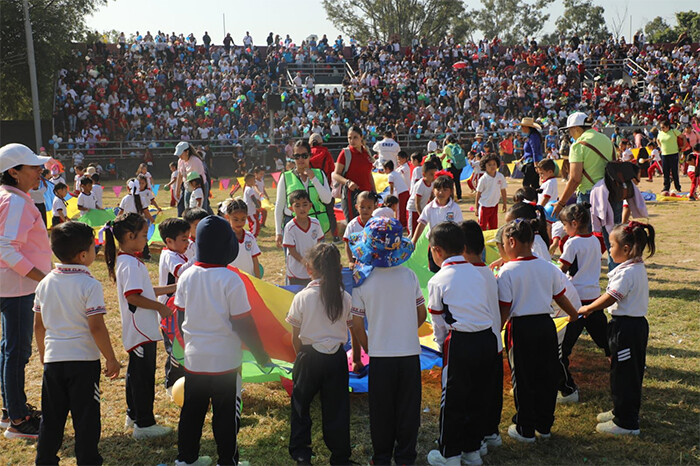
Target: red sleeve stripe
{"points": [[560, 294], [176, 272], [256, 255], [567, 263], [130, 292], [289, 245], [504, 303], [435, 311]]}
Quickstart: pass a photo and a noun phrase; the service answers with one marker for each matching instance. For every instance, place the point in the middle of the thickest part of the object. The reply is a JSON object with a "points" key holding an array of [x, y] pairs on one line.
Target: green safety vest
{"points": [[292, 182]]}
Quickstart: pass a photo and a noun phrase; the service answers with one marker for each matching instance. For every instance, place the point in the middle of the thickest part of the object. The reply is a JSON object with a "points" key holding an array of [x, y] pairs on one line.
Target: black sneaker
{"points": [[27, 429], [33, 412]]}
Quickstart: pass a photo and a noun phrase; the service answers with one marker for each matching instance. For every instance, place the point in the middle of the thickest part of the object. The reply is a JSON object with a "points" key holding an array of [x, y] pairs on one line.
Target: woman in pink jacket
{"points": [[25, 257]]}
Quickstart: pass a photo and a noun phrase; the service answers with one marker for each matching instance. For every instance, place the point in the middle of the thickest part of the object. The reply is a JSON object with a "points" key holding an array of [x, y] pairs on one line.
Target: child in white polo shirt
{"points": [[217, 319], [70, 334], [320, 317], [252, 200], [140, 315], [391, 299], [59, 209], [300, 235], [548, 182], [421, 193], [442, 208], [86, 198], [463, 326], [236, 212], [627, 298], [526, 287], [473, 253], [193, 217], [366, 204], [98, 189], [175, 233], [399, 188], [492, 187]]}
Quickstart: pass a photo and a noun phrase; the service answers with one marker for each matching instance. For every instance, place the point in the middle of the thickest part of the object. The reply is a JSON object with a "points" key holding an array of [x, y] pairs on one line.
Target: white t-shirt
{"points": [[308, 313], [528, 285], [247, 249], [400, 185], [169, 267], [434, 214], [260, 184], [302, 240], [454, 306], [558, 230], [354, 226], [490, 188], [387, 212], [585, 251], [87, 201], [59, 204], [146, 197], [656, 155], [98, 191], [420, 196], [627, 155], [197, 194], [629, 285], [571, 294], [550, 191], [66, 297], [492, 294], [213, 298], [540, 249], [139, 325], [191, 249], [388, 298], [416, 174], [405, 171], [250, 197], [128, 205], [388, 149]]}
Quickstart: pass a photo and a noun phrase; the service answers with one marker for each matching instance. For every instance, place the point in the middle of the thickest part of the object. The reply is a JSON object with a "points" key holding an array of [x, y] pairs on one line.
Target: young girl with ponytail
{"points": [[140, 316], [320, 317], [627, 298]]}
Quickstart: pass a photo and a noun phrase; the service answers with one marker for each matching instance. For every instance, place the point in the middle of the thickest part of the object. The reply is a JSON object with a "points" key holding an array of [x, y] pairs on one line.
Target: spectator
{"points": [[532, 151], [321, 158], [668, 144], [189, 161], [353, 170]]}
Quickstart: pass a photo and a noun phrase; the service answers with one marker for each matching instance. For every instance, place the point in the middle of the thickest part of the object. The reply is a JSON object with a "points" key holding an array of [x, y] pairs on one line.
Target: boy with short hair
{"points": [[421, 193], [548, 183], [197, 195], [261, 213], [193, 217], [173, 262], [79, 173], [463, 325], [252, 200], [70, 334], [399, 188], [98, 189], [86, 198], [417, 170], [300, 235], [492, 186]]}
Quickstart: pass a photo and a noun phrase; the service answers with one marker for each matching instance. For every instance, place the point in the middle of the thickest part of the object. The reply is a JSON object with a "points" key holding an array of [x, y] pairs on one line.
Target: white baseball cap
{"points": [[181, 147], [576, 119], [12, 155]]}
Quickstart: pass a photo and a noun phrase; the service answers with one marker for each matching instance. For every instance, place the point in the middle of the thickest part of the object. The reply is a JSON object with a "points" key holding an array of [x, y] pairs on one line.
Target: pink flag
{"points": [[276, 176], [117, 190], [225, 182]]}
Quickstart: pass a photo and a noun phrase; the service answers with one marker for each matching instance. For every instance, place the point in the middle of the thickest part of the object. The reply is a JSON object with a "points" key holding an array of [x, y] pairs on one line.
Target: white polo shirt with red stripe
{"points": [[492, 294], [434, 214], [585, 250], [302, 240], [354, 226], [550, 191], [527, 285], [454, 304], [169, 269], [139, 325], [213, 297], [247, 249]]}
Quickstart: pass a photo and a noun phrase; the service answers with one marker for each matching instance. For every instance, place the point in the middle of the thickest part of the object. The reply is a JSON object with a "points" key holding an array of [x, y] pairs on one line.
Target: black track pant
{"points": [[596, 324], [467, 375], [628, 338], [224, 393], [394, 408], [495, 398], [70, 386], [533, 354], [140, 384], [327, 374]]}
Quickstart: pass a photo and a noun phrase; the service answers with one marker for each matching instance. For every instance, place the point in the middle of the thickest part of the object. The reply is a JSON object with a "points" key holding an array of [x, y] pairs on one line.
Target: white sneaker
{"points": [[151, 432], [201, 461], [128, 422], [493, 440], [435, 458], [572, 398], [546, 436], [169, 391], [483, 449], [511, 392], [513, 433], [611, 428], [472, 457], [606, 416]]}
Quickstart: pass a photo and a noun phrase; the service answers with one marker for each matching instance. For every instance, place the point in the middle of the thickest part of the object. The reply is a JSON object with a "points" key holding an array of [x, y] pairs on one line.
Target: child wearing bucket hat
{"points": [[197, 196], [391, 299]]}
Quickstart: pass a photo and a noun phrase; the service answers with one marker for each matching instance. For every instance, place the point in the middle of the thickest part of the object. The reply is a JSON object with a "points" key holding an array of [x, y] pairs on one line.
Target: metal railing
{"points": [[634, 69]]}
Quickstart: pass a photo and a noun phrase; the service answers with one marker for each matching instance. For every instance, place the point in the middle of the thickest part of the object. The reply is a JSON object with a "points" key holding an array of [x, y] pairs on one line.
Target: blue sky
{"points": [[299, 18]]}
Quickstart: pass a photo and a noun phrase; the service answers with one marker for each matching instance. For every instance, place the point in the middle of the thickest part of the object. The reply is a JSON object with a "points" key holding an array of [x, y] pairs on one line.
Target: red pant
{"points": [[254, 225], [652, 168], [488, 217], [693, 183], [403, 217], [412, 221]]}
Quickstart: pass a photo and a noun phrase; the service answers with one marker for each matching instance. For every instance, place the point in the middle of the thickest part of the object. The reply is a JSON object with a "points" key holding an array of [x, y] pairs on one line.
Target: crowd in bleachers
{"points": [[172, 87]]}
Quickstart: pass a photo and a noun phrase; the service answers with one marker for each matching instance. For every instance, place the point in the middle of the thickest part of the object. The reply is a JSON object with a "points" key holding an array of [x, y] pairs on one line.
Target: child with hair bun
{"points": [[236, 212], [627, 298]]}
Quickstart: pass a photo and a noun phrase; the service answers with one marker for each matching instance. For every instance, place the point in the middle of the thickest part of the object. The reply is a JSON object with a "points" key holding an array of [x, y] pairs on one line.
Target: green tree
{"points": [[658, 30], [55, 25], [385, 20], [583, 18], [689, 23], [512, 21]]}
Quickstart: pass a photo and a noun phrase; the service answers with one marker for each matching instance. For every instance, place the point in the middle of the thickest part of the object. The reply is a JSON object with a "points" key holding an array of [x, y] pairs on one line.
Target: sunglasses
{"points": [[305, 155]]}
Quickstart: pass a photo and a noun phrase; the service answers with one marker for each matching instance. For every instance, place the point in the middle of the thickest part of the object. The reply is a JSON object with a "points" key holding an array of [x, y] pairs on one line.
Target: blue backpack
{"points": [[459, 161]]}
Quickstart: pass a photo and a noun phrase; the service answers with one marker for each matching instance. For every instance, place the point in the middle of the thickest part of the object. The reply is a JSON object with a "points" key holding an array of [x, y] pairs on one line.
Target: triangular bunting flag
{"points": [[276, 176], [117, 190], [225, 182], [155, 189]]}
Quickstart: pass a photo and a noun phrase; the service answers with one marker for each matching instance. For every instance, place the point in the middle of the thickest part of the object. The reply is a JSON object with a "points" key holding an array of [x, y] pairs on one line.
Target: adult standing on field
{"points": [[453, 155], [189, 161], [353, 170], [387, 149], [322, 159], [25, 257], [668, 144], [532, 151]]}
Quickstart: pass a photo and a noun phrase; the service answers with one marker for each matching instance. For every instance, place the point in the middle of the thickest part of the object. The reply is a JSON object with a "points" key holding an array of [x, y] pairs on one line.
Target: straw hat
{"points": [[530, 123]]}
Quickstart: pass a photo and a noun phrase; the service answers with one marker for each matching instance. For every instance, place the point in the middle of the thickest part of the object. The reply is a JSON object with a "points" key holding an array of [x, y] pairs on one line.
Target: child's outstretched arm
{"points": [[100, 334], [419, 231], [605, 300], [358, 330], [476, 203], [256, 267], [357, 365], [293, 252], [166, 289], [248, 333], [138, 300], [422, 314]]}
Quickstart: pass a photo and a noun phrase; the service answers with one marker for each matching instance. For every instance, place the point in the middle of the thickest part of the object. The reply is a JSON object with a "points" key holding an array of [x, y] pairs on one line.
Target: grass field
{"points": [[670, 415]]}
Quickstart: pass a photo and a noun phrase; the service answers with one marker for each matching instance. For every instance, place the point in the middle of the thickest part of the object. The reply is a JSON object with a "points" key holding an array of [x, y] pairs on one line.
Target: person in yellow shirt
{"points": [[668, 145]]}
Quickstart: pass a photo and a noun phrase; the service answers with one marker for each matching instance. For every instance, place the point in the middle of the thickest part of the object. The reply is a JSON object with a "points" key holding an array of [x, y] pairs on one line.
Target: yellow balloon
{"points": [[179, 391]]}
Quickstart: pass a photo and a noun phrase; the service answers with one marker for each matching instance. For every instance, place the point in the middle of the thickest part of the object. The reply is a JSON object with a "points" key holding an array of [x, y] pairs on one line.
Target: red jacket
{"points": [[321, 158]]}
